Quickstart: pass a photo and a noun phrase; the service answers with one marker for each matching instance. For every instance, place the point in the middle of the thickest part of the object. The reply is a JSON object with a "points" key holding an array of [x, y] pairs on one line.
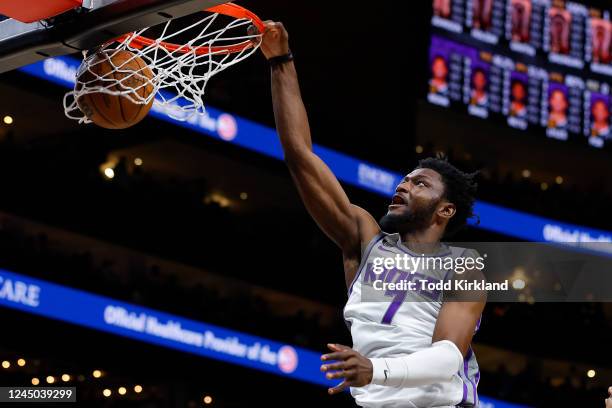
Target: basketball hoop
{"points": [[182, 56]]}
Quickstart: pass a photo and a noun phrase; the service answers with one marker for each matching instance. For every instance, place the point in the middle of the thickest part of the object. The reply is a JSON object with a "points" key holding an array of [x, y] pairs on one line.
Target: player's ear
{"points": [[446, 210]]}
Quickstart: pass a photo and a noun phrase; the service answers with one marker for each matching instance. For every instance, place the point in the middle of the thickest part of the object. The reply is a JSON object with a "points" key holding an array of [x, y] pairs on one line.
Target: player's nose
{"points": [[403, 187]]}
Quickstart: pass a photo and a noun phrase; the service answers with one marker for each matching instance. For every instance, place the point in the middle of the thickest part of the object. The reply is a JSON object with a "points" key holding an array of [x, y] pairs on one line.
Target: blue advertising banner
{"points": [[159, 328], [162, 329], [263, 140]]}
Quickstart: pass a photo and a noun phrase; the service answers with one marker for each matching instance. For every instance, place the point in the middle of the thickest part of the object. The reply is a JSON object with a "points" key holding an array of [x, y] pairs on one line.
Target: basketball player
{"points": [[482, 10], [558, 109], [560, 21], [609, 399], [479, 88], [601, 40], [521, 19], [442, 8], [519, 95], [439, 72], [601, 119], [408, 353]]}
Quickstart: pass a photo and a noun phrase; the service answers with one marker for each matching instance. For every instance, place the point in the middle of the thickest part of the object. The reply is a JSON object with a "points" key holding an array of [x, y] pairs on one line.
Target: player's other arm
{"points": [[451, 340], [347, 225], [438, 363]]}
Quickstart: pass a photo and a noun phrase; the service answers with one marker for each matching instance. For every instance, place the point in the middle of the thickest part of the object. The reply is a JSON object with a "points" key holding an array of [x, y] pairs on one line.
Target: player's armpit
{"points": [[326, 201]]}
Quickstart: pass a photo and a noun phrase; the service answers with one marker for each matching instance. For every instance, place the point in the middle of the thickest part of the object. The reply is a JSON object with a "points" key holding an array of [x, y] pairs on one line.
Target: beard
{"points": [[409, 221]]}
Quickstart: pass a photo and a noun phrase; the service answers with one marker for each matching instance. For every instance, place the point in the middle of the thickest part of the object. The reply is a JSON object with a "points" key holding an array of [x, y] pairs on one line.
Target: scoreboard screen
{"points": [[537, 65]]}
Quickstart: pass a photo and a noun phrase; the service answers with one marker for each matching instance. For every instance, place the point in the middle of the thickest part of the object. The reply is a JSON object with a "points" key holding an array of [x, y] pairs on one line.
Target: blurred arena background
{"points": [[200, 222]]}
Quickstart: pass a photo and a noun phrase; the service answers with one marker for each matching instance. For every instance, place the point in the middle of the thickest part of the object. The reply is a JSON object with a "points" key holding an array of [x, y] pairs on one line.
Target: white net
{"points": [[182, 58]]}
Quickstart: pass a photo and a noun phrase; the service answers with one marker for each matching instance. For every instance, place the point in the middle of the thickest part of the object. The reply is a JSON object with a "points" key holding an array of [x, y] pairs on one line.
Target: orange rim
{"points": [[228, 9]]}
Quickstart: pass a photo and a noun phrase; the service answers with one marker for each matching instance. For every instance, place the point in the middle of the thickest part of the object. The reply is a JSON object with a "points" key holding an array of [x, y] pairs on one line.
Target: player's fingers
{"points": [[336, 375], [254, 33], [339, 355], [338, 388], [252, 30], [349, 375], [272, 25], [334, 366], [338, 347]]}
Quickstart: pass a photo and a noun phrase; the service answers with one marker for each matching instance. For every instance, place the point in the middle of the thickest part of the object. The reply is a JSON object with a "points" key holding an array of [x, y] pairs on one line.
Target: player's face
{"points": [[415, 202], [439, 69], [480, 81], [558, 102], [518, 92], [600, 112]]}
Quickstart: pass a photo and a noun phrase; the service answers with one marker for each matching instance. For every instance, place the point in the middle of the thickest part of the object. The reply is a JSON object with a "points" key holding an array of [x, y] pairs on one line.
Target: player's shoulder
{"points": [[458, 250], [368, 227]]}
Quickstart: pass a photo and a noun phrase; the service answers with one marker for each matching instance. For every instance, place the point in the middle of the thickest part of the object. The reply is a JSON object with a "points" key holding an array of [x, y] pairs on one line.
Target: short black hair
{"points": [[459, 189]]}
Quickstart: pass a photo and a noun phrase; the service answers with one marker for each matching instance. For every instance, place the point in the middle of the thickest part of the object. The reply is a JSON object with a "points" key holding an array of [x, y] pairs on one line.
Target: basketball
{"points": [[133, 79]]}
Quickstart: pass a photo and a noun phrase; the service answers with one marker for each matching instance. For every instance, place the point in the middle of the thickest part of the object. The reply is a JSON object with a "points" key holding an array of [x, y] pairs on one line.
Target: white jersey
{"points": [[402, 324]]}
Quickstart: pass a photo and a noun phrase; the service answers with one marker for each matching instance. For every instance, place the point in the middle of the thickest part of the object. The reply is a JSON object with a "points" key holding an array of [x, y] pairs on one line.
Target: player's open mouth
{"points": [[397, 201]]}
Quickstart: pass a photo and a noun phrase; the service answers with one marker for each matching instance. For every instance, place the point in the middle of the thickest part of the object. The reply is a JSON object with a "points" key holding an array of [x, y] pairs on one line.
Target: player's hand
{"points": [[609, 399], [355, 369], [275, 39]]}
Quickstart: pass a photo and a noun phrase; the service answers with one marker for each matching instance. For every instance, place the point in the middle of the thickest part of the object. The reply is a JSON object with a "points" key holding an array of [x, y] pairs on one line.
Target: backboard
{"points": [[85, 27]]}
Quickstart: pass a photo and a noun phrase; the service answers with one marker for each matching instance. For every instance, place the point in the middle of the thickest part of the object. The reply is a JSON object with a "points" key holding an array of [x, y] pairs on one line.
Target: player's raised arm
{"points": [[347, 225]]}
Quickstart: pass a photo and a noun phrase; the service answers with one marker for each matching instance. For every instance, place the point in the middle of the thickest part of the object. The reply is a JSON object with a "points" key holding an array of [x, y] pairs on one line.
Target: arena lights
{"points": [[8, 120], [419, 149], [50, 379], [519, 278], [208, 400], [526, 173], [544, 186], [6, 364], [591, 373], [137, 389], [218, 199], [244, 196], [21, 362], [559, 180], [109, 173], [107, 393], [518, 284], [65, 377], [138, 161], [35, 381], [122, 391], [97, 373]]}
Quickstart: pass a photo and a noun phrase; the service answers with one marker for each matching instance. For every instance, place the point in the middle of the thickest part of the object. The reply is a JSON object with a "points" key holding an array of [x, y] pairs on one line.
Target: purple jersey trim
{"points": [[364, 258]]}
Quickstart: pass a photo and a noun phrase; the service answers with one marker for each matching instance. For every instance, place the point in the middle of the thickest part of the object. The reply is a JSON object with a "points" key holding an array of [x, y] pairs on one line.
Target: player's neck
{"points": [[425, 241]]}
